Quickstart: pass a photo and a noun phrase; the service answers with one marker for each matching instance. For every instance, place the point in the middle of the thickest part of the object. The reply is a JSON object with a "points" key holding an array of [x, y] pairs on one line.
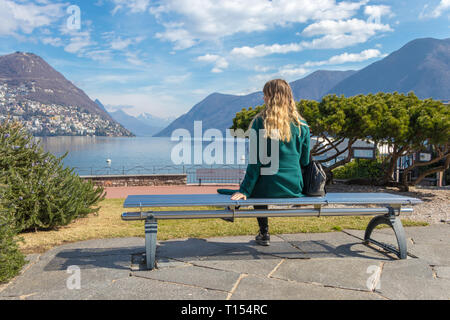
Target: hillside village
{"points": [[51, 119]]}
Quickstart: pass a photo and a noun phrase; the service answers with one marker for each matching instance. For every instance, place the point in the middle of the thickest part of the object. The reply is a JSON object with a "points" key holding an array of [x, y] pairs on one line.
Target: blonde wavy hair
{"points": [[280, 110]]}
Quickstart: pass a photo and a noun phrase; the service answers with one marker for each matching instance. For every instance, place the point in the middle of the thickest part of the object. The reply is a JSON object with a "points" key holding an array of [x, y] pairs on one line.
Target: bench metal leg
{"points": [[394, 222], [151, 229]]}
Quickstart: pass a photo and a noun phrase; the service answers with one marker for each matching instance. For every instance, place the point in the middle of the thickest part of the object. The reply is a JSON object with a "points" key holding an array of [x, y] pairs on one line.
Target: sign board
{"points": [[423, 157], [363, 153]]}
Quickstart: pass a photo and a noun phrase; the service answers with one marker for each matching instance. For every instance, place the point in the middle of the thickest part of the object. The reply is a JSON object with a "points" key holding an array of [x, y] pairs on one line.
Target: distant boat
{"points": [[108, 160]]}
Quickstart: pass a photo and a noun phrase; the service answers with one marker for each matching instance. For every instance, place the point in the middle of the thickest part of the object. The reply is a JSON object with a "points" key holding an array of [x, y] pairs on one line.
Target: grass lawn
{"points": [[108, 224]]}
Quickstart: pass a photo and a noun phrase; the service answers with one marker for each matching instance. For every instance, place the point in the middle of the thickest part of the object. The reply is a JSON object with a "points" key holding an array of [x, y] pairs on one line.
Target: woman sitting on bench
{"points": [[281, 121]]}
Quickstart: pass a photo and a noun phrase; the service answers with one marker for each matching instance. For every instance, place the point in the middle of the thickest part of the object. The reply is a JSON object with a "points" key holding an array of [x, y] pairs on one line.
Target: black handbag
{"points": [[314, 179]]}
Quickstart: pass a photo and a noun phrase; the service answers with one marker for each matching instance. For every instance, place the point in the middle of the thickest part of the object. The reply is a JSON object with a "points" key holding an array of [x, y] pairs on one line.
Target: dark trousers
{"points": [[262, 221]]}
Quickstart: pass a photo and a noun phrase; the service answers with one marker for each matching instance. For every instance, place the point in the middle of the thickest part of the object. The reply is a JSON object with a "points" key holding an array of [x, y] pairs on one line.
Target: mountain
{"points": [[100, 105], [153, 121], [30, 80], [218, 110], [317, 84], [215, 111], [134, 125], [422, 66]]}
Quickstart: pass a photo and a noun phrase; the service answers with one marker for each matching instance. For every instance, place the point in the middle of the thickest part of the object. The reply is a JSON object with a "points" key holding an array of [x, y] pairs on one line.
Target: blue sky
{"points": [[164, 56]]}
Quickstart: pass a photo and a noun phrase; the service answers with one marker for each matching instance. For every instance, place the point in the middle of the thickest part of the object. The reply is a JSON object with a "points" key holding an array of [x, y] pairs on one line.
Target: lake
{"points": [[148, 155], [139, 155]]}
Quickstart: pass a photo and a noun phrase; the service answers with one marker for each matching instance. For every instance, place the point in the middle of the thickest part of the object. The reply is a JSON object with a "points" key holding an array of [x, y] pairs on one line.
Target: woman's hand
{"points": [[238, 196]]}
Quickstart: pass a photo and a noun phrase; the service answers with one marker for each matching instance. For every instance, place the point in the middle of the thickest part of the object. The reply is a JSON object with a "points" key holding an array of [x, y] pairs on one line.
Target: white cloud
{"points": [[181, 38], [258, 68], [355, 27], [341, 34], [99, 55], [264, 50], [25, 17], [220, 63], [332, 35], [288, 72], [293, 72], [442, 7], [79, 42], [177, 79], [134, 6], [56, 42], [211, 20], [346, 57], [122, 44], [376, 12], [133, 58]]}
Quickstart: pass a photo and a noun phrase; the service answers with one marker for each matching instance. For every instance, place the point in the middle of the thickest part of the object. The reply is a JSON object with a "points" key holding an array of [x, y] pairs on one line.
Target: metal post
{"points": [[151, 229], [395, 223]]}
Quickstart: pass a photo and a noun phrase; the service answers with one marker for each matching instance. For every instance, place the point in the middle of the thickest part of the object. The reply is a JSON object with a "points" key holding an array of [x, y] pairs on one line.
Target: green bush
{"points": [[360, 169], [11, 259], [43, 193]]}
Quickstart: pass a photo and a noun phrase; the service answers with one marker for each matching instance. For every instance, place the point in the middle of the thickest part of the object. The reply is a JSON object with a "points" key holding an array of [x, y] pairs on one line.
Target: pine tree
{"points": [[11, 259], [43, 193]]}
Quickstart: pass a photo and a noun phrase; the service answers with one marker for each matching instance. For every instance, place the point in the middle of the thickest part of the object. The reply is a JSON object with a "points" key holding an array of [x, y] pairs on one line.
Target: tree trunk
{"points": [[390, 171], [442, 168]]}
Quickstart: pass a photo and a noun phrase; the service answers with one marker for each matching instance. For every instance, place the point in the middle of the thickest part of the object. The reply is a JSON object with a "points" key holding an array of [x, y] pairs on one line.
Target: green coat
{"points": [[288, 181]]}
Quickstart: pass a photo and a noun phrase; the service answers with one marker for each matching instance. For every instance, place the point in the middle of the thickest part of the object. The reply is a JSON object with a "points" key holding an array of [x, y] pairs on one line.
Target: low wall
{"points": [[138, 180]]}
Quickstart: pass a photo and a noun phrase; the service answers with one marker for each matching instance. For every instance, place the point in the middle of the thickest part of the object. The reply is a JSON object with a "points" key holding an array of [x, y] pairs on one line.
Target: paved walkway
{"points": [[296, 266]]}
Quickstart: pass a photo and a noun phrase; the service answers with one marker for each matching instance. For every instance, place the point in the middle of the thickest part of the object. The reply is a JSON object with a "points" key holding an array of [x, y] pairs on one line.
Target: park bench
{"points": [[385, 206]]}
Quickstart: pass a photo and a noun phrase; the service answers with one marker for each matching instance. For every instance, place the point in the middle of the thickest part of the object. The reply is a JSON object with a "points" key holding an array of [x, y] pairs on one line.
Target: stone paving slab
{"points": [[442, 272], [258, 288], [137, 288], [333, 245], [332, 265], [42, 280], [246, 248], [239, 248], [412, 279], [194, 276], [433, 234], [258, 267], [189, 249], [342, 273], [431, 253]]}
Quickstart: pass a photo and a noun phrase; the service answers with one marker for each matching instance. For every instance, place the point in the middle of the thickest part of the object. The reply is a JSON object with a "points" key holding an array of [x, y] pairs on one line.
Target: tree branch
{"points": [[343, 161], [320, 152]]}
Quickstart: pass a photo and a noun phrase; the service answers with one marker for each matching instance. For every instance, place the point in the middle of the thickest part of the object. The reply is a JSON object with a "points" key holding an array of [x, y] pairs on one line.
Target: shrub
{"points": [[11, 259], [360, 168], [41, 191]]}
